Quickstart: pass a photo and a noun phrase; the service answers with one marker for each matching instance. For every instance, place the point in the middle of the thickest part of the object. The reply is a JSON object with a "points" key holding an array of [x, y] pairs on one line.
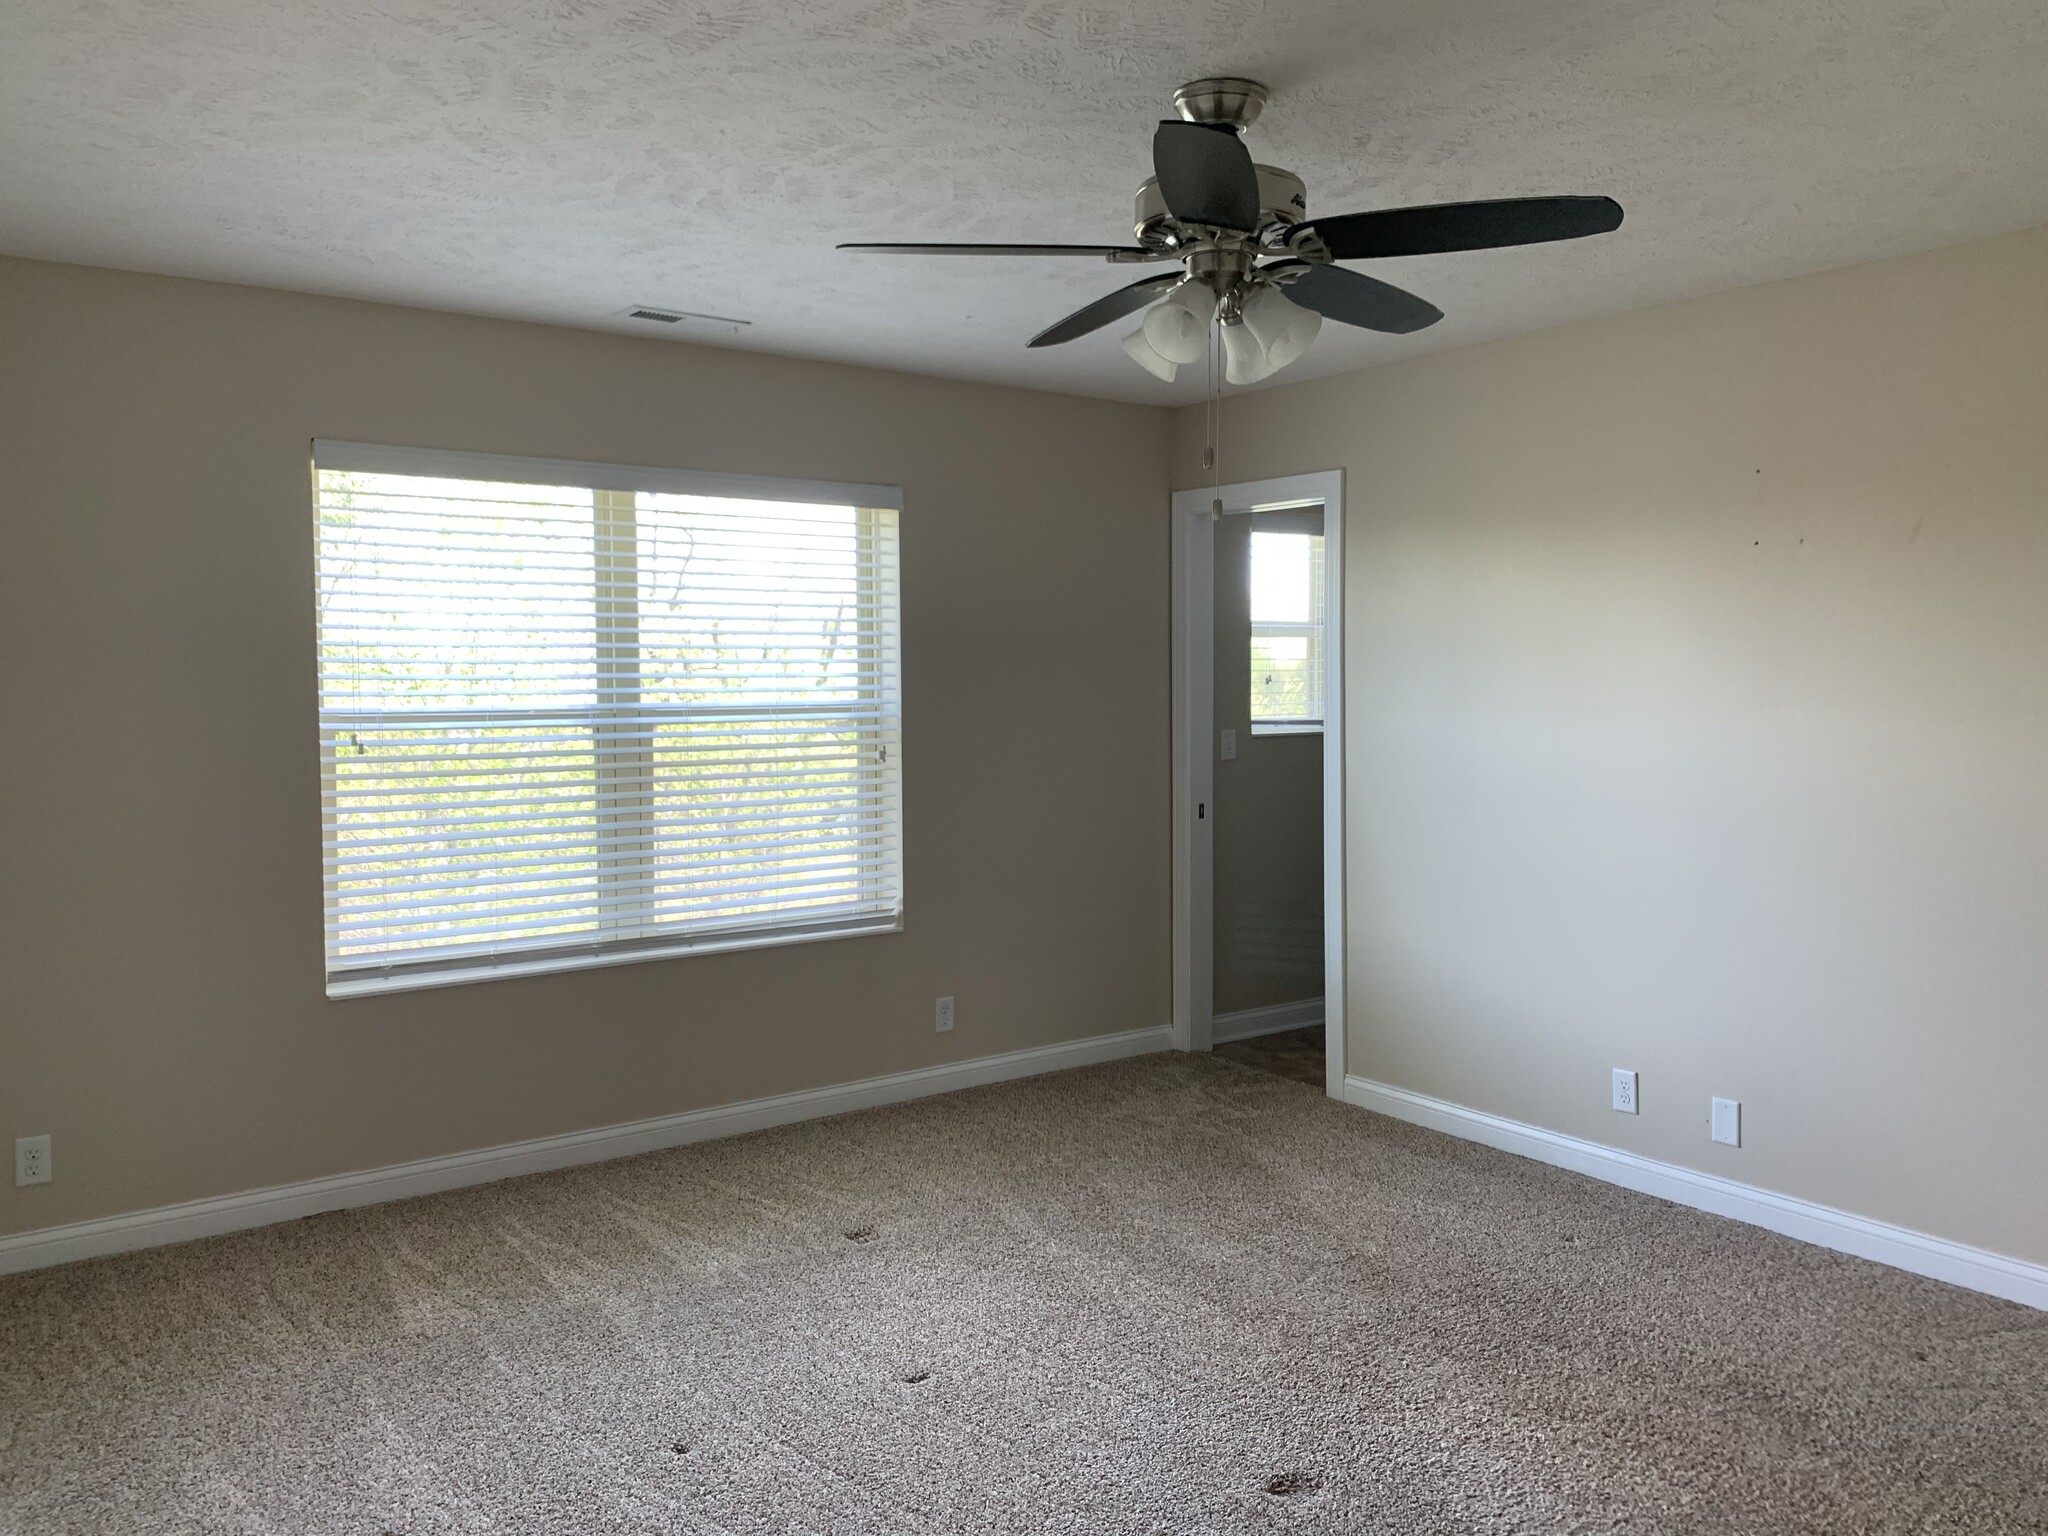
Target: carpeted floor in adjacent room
{"points": [[1166, 1295]]}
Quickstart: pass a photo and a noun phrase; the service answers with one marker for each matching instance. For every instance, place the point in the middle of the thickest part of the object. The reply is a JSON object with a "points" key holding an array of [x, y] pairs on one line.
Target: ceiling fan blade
{"points": [[1463, 226], [1355, 299], [1113, 306], [892, 248], [1206, 175]]}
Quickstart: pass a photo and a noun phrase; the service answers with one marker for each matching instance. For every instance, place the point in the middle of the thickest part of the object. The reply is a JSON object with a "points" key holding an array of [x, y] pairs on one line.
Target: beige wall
{"points": [[1698, 723], [1268, 909], [161, 1004]]}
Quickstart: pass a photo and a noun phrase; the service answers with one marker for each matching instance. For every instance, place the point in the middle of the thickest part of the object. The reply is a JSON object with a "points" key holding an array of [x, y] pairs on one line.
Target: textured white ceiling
{"points": [[563, 159]]}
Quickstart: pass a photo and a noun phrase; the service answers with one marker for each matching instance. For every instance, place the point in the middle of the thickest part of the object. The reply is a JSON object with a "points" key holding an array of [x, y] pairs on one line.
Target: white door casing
{"points": [[1194, 748]]}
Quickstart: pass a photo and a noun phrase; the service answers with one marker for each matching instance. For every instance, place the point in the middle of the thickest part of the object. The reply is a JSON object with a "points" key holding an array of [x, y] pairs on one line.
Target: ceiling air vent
{"points": [[676, 317]]}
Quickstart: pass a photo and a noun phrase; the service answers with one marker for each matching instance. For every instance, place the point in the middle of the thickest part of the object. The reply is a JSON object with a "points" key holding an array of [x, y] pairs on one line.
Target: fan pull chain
{"points": [[1212, 429]]}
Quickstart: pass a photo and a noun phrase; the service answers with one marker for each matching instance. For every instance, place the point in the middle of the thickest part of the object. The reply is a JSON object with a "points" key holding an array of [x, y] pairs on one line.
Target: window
{"points": [[1286, 574], [573, 714]]}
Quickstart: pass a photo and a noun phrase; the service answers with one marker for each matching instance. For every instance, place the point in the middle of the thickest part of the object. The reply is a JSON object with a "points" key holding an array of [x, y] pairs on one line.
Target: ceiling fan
{"points": [[1251, 258]]}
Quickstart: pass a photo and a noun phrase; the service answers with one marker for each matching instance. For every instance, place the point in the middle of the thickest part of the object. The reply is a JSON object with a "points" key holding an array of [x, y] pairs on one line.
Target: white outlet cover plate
{"points": [[1728, 1122], [942, 1016], [32, 1160], [1626, 1099], [1230, 746]]}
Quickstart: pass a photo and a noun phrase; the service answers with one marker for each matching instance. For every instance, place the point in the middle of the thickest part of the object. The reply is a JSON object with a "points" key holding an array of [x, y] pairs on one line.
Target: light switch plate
{"points": [[1230, 746]]}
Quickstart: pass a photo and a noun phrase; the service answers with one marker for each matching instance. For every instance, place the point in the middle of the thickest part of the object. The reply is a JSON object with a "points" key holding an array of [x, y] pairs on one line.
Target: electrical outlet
{"points": [[1728, 1122], [942, 1019], [1230, 746], [1625, 1091], [32, 1160]]}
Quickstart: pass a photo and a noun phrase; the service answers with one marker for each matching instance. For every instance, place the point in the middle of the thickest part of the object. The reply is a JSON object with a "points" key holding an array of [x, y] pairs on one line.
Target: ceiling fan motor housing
{"points": [[1283, 201], [1228, 99]]}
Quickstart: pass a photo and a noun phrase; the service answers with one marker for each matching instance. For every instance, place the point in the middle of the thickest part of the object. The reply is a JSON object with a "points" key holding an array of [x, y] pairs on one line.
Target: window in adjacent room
{"points": [[573, 714], [1286, 572]]}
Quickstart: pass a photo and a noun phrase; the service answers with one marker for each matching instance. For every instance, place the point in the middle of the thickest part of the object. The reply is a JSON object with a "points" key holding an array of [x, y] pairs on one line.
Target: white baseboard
{"points": [[285, 1202], [1270, 1020], [1975, 1269]]}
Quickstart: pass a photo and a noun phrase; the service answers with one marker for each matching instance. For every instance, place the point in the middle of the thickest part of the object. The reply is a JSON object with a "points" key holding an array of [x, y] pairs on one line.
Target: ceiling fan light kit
{"points": [[1253, 263], [1178, 326], [1244, 360], [1146, 356], [1284, 329]]}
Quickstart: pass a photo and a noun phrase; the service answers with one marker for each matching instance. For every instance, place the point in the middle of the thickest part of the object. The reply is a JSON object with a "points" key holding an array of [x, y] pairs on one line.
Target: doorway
{"points": [[1267, 577]]}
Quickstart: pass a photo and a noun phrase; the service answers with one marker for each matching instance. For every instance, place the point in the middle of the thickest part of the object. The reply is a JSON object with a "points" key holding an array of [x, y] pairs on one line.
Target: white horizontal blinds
{"points": [[768, 695], [561, 718]]}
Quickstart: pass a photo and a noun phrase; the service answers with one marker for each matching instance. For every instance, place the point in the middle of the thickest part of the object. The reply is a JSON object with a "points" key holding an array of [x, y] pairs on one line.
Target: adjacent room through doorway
{"points": [[1267, 899], [1258, 774]]}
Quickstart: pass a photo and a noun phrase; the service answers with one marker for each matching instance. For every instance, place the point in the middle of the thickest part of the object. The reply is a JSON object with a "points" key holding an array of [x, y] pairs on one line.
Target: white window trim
{"points": [[376, 458], [443, 971], [547, 963]]}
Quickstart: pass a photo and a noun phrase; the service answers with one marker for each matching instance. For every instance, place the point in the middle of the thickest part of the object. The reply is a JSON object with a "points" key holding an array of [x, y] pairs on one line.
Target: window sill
{"points": [[371, 982], [1287, 727]]}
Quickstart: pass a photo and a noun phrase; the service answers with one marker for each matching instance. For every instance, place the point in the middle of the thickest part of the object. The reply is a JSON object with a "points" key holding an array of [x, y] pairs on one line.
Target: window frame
{"points": [[1290, 523], [630, 758]]}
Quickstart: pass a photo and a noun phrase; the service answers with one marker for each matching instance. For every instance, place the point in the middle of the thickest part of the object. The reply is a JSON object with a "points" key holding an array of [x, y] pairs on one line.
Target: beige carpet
{"points": [[1170, 1295]]}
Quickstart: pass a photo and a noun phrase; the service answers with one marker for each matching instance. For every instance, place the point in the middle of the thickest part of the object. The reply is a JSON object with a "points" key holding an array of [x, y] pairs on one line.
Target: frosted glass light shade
{"points": [[1244, 360], [1145, 357], [1178, 325], [1284, 328]]}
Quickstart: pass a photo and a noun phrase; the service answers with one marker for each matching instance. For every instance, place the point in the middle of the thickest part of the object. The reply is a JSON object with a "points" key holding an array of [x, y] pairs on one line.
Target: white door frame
{"points": [[1194, 751]]}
